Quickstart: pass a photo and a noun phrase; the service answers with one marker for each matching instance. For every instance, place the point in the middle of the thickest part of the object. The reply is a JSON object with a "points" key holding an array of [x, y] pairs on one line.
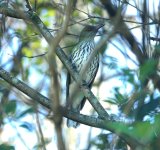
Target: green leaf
{"points": [[157, 49], [111, 101], [10, 107], [148, 69], [75, 13], [6, 147], [25, 112], [119, 98], [27, 52], [129, 75], [97, 11], [140, 131]]}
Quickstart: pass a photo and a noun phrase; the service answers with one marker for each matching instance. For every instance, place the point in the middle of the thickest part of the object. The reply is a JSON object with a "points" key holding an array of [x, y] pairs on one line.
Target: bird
{"points": [[79, 58]]}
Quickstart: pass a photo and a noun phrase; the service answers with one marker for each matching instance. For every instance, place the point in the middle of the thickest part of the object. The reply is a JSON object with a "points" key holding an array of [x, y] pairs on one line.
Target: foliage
{"points": [[128, 79], [6, 147]]}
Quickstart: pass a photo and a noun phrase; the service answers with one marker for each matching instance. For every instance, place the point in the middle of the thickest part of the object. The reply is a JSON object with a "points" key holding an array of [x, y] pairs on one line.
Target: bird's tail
{"points": [[75, 106], [71, 123]]}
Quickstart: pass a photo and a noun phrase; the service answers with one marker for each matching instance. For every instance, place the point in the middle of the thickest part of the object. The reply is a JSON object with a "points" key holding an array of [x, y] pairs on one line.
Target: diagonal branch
{"points": [[123, 29], [33, 17], [88, 120], [62, 56], [125, 32]]}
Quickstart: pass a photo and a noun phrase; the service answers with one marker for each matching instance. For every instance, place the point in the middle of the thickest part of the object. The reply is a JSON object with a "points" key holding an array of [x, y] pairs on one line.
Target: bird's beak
{"points": [[99, 26]]}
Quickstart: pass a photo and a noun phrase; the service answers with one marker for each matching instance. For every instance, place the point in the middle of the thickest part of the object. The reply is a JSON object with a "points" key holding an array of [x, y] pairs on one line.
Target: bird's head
{"points": [[89, 32]]}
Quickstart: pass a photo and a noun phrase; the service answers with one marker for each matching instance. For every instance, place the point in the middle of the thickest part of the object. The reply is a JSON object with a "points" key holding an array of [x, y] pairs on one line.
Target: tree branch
{"points": [[123, 29], [55, 88], [125, 32], [62, 56], [44, 101], [32, 16]]}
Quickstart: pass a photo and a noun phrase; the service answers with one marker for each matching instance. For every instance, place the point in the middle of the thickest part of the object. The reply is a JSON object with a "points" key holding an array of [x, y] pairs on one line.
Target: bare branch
{"points": [[124, 30], [54, 76], [30, 15], [40, 131], [44, 101], [62, 56]]}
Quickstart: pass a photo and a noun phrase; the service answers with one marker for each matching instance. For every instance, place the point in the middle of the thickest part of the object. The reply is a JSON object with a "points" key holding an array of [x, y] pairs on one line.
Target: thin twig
{"points": [[40, 55], [40, 131], [53, 69], [32, 16], [88, 120]]}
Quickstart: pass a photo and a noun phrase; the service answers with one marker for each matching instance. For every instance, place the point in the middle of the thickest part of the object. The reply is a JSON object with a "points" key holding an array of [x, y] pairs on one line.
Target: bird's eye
{"points": [[89, 28]]}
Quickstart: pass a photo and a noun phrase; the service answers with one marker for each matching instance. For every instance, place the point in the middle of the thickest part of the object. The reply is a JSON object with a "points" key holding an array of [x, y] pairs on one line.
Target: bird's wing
{"points": [[68, 81], [90, 86], [70, 86]]}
